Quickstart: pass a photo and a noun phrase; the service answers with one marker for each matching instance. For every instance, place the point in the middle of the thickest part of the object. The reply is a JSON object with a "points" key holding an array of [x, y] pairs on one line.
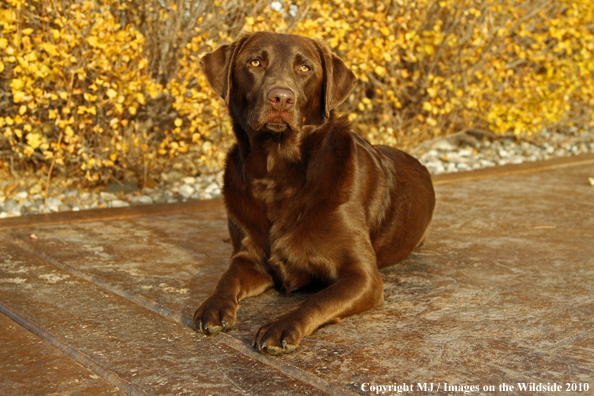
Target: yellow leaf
{"points": [[380, 71], [49, 48], [113, 157], [178, 122], [18, 96], [1, 67], [27, 31], [385, 31], [34, 140], [17, 84], [249, 21], [63, 95], [3, 43], [111, 93], [132, 110], [22, 109]]}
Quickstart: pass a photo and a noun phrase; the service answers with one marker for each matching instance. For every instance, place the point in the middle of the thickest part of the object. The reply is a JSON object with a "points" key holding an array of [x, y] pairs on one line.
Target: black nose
{"points": [[281, 98]]}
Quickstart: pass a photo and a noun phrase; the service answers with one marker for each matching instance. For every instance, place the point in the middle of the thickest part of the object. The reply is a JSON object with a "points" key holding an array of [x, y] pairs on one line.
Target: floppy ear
{"points": [[217, 67], [339, 80]]}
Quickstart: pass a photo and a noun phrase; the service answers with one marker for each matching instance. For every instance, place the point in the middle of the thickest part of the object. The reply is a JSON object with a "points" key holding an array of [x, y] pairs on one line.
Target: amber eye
{"points": [[304, 69], [255, 63]]}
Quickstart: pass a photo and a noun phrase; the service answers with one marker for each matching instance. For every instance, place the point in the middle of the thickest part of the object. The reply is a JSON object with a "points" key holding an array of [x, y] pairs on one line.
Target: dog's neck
{"points": [[275, 155]]}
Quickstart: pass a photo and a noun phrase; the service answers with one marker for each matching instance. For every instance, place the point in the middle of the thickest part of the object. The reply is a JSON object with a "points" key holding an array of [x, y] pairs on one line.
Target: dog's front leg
{"points": [[356, 290], [242, 279]]}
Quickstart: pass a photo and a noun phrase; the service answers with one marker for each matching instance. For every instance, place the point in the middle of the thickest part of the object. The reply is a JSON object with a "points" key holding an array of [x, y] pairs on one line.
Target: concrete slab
{"points": [[29, 366], [503, 292]]}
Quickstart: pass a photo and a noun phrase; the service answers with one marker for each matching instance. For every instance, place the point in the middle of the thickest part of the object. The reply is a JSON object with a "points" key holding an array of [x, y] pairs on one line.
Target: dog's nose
{"points": [[281, 98]]}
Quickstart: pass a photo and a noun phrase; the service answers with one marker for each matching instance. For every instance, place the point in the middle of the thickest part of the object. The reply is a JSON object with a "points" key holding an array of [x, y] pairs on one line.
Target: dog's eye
{"points": [[304, 69], [256, 63]]}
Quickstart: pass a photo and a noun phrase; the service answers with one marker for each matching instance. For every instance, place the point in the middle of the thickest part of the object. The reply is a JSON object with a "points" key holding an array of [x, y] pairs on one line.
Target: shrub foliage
{"points": [[107, 86]]}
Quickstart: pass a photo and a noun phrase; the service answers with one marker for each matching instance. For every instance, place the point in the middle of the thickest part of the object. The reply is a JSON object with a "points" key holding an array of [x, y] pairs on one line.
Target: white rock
{"points": [[116, 203], [51, 201], [22, 195], [503, 153], [108, 196], [185, 190], [143, 199], [444, 145], [189, 180], [212, 188]]}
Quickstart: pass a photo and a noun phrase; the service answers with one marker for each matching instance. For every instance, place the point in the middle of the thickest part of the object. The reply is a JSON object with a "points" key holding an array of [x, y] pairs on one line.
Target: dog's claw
{"points": [[284, 343], [200, 326], [260, 347], [223, 323], [254, 344]]}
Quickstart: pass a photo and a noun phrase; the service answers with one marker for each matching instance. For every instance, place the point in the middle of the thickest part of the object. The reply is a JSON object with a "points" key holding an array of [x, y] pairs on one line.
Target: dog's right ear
{"points": [[217, 67]]}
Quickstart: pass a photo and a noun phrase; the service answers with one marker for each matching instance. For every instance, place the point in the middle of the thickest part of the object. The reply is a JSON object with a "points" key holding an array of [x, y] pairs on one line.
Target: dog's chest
{"points": [[273, 195]]}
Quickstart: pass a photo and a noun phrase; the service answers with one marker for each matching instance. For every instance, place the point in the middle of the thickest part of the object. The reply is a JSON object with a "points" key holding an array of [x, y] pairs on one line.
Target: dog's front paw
{"points": [[282, 335], [215, 314]]}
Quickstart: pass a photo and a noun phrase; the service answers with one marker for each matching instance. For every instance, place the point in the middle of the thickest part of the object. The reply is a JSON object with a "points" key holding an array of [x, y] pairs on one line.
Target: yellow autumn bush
{"points": [[102, 87]]}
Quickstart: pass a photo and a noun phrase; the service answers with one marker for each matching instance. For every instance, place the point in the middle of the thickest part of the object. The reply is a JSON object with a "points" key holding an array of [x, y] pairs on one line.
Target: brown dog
{"points": [[309, 201]]}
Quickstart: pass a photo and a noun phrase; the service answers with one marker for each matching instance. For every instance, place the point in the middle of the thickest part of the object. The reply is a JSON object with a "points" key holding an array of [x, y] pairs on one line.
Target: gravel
{"points": [[454, 154]]}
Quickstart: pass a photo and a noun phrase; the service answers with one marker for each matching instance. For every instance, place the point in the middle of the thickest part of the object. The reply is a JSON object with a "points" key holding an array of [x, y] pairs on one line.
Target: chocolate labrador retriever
{"points": [[309, 201]]}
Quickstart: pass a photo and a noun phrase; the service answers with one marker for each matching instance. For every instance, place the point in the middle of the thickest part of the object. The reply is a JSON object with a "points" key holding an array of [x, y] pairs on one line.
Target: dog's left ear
{"points": [[339, 80], [218, 64]]}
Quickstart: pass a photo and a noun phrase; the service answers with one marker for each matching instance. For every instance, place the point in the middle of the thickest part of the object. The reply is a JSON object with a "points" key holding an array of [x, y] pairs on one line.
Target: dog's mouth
{"points": [[277, 122]]}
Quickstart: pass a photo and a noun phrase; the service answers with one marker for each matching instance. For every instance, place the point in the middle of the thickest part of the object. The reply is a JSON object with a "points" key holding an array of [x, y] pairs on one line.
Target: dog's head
{"points": [[278, 83]]}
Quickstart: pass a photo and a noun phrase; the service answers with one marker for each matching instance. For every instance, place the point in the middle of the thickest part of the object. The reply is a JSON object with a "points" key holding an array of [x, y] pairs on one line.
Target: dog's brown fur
{"points": [[308, 200]]}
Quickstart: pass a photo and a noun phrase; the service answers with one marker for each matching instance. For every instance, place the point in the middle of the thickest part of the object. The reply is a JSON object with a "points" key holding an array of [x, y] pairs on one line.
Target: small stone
{"points": [[52, 201], [516, 159], [116, 203], [36, 189], [143, 199], [185, 190], [212, 189], [64, 208], [503, 153], [9, 204], [22, 195], [125, 187], [451, 167], [444, 145], [108, 197], [16, 210], [174, 175], [189, 180], [70, 193]]}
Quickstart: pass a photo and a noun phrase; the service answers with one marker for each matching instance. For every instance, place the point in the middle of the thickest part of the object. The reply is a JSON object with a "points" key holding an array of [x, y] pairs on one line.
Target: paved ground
{"points": [[99, 302]]}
